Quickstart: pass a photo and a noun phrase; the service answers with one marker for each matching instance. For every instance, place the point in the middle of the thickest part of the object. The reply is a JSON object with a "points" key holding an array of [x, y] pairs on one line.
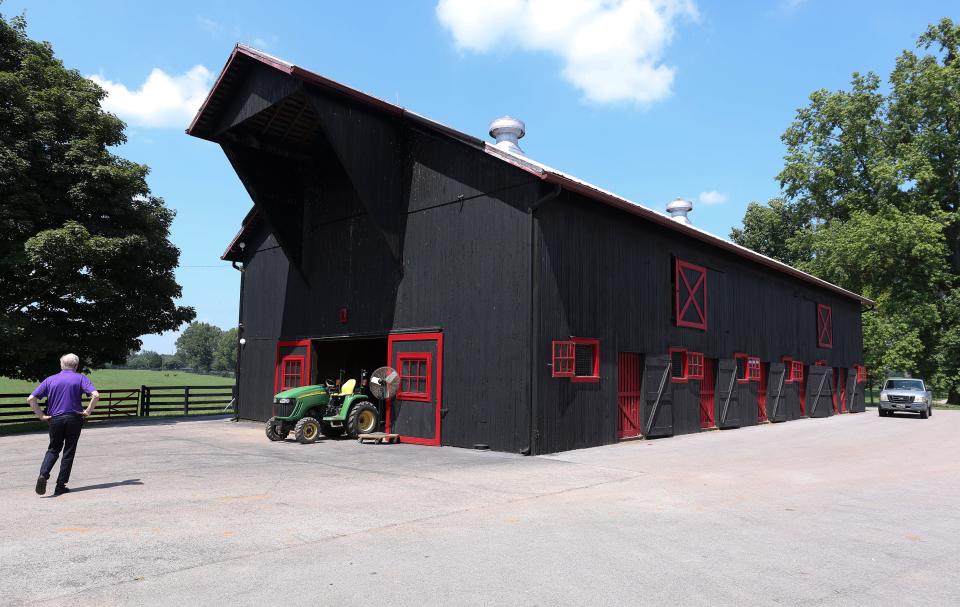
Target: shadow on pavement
{"points": [[131, 481]]}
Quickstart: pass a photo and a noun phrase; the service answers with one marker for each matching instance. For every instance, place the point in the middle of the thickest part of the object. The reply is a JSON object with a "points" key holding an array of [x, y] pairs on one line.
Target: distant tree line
{"points": [[202, 347]]}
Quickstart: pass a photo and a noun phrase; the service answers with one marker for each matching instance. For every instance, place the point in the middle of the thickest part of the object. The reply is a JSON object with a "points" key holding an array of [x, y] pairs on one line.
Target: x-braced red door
{"points": [[628, 394]]}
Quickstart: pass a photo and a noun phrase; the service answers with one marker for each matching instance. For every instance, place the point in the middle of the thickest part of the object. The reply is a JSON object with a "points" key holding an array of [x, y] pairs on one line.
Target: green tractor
{"points": [[323, 409]]}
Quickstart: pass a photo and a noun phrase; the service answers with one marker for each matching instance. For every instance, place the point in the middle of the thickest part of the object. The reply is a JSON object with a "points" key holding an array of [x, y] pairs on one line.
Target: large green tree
{"points": [[197, 346], [871, 185], [225, 356], [86, 264]]}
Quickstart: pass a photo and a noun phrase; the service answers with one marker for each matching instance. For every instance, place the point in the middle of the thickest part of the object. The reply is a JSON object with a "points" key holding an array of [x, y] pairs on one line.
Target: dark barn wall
{"points": [[460, 264], [605, 274]]}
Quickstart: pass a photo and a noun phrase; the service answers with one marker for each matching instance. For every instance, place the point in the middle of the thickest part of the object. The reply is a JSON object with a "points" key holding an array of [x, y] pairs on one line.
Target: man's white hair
{"points": [[69, 361]]}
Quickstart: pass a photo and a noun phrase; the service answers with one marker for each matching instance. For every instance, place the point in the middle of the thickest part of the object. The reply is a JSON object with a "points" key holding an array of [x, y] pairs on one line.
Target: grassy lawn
{"points": [[110, 379]]}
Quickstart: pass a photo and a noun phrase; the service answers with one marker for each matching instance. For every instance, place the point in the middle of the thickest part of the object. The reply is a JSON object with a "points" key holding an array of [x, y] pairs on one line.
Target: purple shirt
{"points": [[64, 391]]}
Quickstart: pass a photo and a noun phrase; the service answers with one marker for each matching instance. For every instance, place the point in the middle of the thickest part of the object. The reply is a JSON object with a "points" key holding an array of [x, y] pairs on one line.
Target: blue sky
{"points": [[651, 100]]}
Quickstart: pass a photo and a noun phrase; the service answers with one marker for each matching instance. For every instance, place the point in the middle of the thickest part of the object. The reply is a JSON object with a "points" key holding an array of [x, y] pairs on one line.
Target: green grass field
{"points": [[112, 379]]}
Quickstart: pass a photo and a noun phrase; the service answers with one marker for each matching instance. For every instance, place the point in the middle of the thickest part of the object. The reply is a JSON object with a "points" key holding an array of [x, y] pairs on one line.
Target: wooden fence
{"points": [[131, 403]]}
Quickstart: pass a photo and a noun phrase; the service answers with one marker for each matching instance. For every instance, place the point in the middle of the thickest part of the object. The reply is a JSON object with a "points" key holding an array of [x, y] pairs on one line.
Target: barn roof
{"points": [[243, 57]]}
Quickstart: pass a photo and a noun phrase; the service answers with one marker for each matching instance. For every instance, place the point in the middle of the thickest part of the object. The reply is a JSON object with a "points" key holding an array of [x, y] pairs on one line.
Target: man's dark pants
{"points": [[64, 434]]}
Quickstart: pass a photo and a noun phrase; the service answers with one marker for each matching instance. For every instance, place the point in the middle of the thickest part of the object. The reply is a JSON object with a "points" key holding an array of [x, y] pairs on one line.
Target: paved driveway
{"points": [[840, 511]]}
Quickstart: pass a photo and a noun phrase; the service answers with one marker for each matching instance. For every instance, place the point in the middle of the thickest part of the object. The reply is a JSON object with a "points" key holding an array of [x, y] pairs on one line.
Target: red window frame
{"points": [[794, 370], [695, 365], [820, 363], [562, 362], [684, 365], [753, 368], [284, 374], [417, 358], [824, 326], [595, 367], [681, 308]]}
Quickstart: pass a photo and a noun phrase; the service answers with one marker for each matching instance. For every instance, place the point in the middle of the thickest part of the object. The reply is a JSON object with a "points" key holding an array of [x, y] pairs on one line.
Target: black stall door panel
{"points": [[776, 405], [728, 406], [819, 391], [851, 389], [657, 413]]}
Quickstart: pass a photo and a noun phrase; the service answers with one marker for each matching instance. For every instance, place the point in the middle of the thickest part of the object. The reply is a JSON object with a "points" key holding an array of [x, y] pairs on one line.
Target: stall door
{"points": [[708, 395], [414, 413], [727, 400], [840, 388], [657, 413], [850, 389], [776, 408], [819, 391], [628, 394]]}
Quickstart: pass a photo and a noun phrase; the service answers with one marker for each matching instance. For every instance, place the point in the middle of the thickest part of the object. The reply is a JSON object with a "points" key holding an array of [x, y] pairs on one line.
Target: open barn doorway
{"points": [[346, 358]]}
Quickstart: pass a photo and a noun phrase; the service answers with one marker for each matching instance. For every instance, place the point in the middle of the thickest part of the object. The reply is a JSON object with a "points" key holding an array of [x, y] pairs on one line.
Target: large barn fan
{"points": [[384, 383]]}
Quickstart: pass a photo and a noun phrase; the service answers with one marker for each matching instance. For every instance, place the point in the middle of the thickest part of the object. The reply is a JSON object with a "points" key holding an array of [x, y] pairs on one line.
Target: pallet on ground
{"points": [[379, 437]]}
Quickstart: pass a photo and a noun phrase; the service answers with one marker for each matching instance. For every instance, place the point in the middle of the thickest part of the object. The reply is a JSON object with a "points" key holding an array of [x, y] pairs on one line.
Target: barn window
{"points": [[292, 373], [577, 358], [563, 359], [742, 368], [861, 373], [679, 365], [690, 290], [753, 368], [824, 326], [586, 360], [794, 370], [414, 376], [695, 365]]}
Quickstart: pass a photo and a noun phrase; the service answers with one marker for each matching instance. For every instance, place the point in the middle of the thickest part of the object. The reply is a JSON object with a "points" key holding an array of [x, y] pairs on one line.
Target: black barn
{"points": [[529, 311]]}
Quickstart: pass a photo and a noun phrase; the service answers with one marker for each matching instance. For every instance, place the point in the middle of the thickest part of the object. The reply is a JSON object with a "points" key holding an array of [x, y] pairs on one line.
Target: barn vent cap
{"points": [[678, 209], [508, 131]]}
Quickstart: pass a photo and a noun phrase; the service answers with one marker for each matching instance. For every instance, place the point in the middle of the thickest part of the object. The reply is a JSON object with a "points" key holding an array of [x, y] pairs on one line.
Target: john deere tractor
{"points": [[323, 409]]}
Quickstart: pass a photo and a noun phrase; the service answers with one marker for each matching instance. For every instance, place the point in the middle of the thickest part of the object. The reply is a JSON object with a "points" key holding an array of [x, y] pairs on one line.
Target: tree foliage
{"points": [[197, 346], [225, 356], [871, 184], [86, 264]]}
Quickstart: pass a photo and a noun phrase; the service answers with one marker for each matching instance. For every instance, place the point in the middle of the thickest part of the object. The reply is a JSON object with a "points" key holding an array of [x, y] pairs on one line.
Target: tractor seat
{"points": [[347, 388]]}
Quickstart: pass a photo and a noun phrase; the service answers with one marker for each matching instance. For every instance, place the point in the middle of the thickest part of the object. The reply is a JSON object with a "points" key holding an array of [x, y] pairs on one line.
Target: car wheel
{"points": [[881, 412], [925, 413]]}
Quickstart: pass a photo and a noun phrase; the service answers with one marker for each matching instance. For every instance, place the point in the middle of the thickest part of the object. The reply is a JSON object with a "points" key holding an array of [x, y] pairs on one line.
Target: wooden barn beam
{"points": [[262, 88]]}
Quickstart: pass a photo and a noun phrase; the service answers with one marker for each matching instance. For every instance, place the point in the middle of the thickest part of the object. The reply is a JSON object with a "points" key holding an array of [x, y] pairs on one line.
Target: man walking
{"points": [[65, 414]]}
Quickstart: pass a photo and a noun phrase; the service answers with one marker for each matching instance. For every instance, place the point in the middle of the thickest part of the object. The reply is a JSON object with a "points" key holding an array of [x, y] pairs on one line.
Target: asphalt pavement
{"points": [[848, 510]]}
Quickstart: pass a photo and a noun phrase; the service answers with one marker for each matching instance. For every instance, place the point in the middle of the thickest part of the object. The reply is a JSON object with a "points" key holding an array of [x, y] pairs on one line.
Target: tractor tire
{"points": [[331, 431], [275, 431], [307, 431], [362, 419]]}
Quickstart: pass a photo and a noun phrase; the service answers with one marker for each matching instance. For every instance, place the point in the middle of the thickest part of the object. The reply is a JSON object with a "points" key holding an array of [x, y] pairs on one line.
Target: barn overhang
{"points": [[350, 120]]}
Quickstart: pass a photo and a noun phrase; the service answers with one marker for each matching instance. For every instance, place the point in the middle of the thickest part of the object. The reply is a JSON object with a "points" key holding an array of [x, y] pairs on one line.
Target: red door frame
{"points": [[708, 415], [438, 337], [841, 389], [762, 393], [629, 394], [304, 372]]}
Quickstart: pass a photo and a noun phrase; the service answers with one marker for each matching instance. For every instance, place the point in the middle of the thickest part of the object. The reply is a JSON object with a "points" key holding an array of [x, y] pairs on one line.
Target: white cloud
{"points": [[611, 49], [163, 100], [712, 197]]}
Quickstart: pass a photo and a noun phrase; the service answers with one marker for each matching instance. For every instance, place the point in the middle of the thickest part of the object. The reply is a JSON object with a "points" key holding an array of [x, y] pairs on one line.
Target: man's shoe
{"points": [[41, 485], [60, 490]]}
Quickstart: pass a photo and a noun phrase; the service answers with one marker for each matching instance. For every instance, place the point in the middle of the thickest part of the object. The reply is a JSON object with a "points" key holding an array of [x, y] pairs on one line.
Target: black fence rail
{"points": [[130, 403], [184, 400]]}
